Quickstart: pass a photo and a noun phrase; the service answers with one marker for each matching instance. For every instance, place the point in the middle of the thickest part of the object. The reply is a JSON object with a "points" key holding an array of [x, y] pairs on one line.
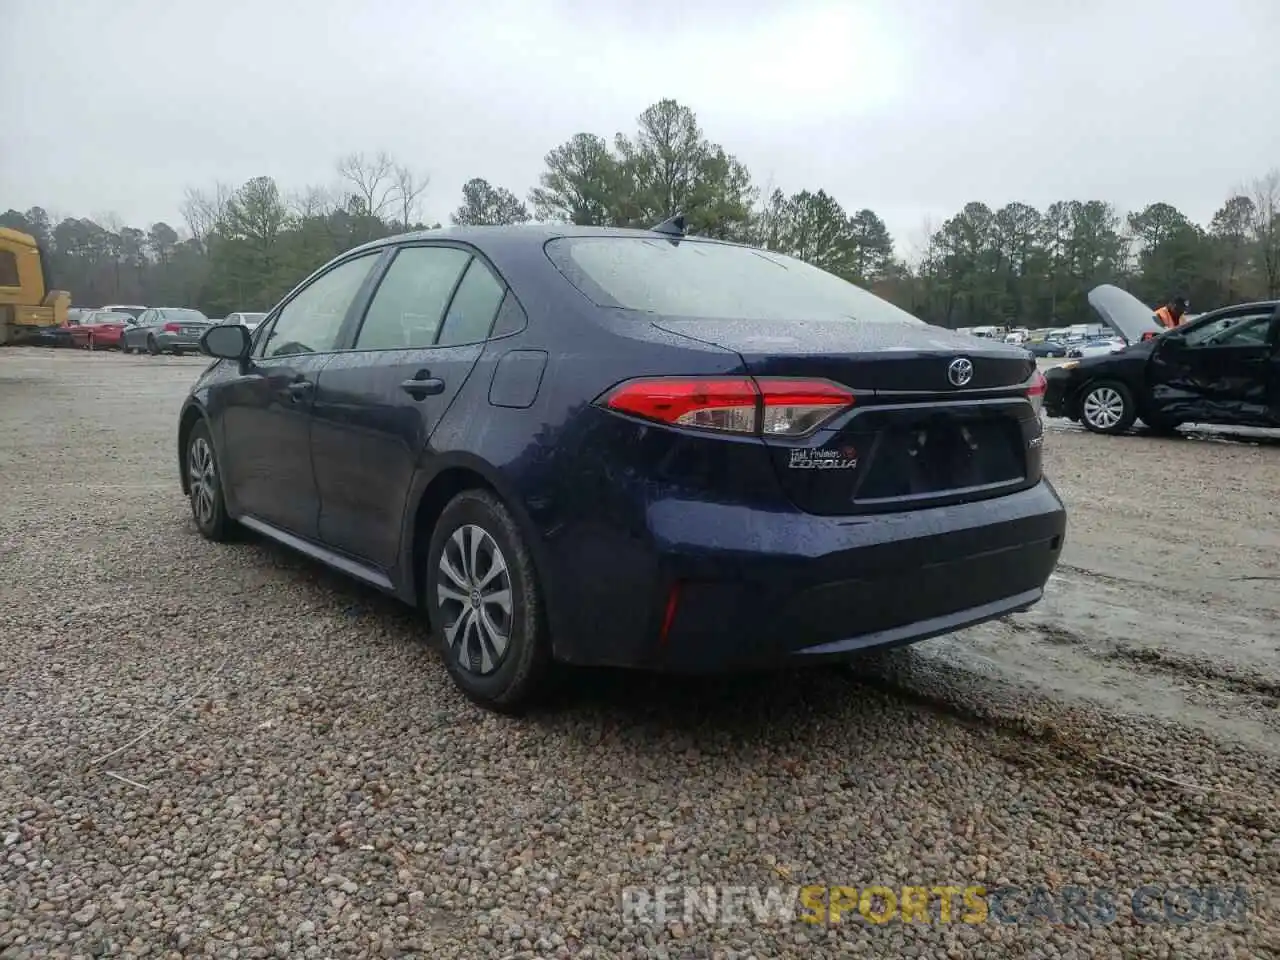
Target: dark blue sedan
{"points": [[627, 447]]}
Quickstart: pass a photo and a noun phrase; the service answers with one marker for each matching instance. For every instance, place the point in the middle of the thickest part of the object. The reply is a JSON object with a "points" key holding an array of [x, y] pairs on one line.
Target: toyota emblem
{"points": [[960, 372]]}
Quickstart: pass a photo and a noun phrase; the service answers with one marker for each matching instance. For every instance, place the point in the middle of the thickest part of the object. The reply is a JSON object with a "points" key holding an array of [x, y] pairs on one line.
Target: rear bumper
{"points": [[177, 341], [733, 588], [99, 339]]}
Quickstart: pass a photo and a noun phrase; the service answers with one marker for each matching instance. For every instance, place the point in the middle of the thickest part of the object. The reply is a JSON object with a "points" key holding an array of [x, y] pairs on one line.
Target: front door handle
{"points": [[300, 388], [423, 385]]}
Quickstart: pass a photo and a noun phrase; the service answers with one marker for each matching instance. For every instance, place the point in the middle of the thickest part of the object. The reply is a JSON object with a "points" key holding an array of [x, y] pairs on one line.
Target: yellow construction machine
{"points": [[26, 303]]}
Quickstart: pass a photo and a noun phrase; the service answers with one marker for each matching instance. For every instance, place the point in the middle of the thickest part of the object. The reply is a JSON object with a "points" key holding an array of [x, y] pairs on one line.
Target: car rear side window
{"points": [[407, 309], [692, 278], [312, 320], [473, 307]]}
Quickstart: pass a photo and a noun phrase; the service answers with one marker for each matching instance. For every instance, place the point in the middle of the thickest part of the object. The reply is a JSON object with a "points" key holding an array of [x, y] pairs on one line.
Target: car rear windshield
{"points": [[692, 278], [184, 316]]}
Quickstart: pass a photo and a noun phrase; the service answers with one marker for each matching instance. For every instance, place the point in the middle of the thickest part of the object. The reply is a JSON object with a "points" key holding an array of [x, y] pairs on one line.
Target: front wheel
{"points": [[204, 486], [1107, 407], [483, 599]]}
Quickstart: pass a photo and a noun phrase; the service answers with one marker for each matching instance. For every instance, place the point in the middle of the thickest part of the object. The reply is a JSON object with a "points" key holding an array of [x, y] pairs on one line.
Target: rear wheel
{"points": [[153, 348], [483, 600], [204, 485], [1107, 407]]}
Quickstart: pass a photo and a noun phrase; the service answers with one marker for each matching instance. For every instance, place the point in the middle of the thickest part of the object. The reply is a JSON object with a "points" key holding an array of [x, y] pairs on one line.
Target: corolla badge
{"points": [[824, 458], [960, 372]]}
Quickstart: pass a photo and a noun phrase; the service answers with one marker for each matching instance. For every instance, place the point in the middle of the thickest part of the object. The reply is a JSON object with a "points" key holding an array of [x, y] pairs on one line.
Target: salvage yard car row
{"points": [[137, 329]]}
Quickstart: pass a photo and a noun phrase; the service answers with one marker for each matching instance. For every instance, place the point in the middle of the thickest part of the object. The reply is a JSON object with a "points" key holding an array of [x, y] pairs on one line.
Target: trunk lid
{"points": [[1123, 312], [888, 357], [938, 417]]}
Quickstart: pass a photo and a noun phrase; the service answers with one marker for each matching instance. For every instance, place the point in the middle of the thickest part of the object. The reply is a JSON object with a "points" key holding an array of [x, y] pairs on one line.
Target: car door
{"points": [[1217, 370], [266, 409], [377, 404], [1273, 369], [133, 337]]}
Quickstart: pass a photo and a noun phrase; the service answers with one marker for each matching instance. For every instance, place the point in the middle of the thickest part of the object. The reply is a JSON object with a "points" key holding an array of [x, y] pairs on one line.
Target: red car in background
{"points": [[100, 329]]}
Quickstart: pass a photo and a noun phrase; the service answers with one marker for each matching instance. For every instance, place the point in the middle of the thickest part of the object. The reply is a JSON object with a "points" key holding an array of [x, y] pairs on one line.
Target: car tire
{"points": [[153, 348], [476, 557], [204, 485], [1107, 407]]}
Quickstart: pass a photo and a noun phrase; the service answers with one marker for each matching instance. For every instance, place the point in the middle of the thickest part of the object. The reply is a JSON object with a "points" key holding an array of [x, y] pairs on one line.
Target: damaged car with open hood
{"points": [[1221, 368]]}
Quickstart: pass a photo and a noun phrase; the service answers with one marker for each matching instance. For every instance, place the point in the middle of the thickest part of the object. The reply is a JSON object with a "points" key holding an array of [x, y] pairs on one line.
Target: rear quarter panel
{"points": [[582, 508]]}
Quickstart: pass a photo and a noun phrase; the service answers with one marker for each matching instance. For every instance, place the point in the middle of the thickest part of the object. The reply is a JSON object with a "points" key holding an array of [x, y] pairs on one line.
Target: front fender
{"points": [[192, 409]]}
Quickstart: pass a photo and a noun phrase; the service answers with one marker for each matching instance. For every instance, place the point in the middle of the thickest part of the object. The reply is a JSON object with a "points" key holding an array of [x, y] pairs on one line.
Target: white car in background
{"points": [[250, 320], [132, 309], [1098, 347]]}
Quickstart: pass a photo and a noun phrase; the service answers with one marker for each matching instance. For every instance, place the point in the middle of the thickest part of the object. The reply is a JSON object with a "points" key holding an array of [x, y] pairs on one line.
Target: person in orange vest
{"points": [[1171, 314]]}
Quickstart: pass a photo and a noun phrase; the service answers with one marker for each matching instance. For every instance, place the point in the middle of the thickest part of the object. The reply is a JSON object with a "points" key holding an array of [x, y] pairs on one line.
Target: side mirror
{"points": [[227, 342]]}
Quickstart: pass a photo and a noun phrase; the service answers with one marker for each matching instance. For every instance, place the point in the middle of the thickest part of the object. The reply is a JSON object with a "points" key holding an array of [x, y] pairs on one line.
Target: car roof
{"points": [[525, 235], [1248, 305]]}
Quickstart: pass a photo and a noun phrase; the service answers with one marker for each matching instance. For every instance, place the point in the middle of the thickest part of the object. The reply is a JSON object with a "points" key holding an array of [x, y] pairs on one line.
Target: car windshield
{"points": [[252, 317], [184, 316], [692, 278]]}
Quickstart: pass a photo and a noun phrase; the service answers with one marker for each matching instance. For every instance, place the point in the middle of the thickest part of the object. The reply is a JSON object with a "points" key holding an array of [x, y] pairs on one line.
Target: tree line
{"points": [[243, 248]]}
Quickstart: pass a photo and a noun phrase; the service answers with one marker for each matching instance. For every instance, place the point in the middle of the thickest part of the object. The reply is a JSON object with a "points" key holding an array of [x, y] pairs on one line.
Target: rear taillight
{"points": [[172, 327], [765, 406], [1035, 392]]}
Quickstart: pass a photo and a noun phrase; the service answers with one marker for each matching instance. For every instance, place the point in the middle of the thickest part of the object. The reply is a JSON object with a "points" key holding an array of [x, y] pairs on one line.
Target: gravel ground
{"points": [[228, 751]]}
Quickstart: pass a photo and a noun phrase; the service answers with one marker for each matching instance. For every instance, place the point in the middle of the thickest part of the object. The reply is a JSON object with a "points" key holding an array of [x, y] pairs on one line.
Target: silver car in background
{"points": [[166, 330]]}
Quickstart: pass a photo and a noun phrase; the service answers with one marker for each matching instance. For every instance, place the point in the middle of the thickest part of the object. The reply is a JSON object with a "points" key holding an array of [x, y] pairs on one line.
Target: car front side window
{"points": [[1249, 330], [312, 320]]}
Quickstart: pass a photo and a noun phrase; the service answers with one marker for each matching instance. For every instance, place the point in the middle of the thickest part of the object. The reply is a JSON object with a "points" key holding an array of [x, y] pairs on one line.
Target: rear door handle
{"points": [[423, 385], [300, 388]]}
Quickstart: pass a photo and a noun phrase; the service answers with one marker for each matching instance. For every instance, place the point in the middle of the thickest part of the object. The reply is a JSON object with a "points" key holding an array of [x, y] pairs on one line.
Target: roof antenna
{"points": [[672, 226]]}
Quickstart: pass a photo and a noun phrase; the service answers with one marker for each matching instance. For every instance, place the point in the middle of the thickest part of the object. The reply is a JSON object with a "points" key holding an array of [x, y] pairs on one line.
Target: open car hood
{"points": [[1123, 312]]}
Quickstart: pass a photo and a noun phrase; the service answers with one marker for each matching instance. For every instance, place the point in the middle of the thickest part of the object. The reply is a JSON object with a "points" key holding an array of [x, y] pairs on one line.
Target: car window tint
{"points": [[311, 321], [473, 307], [406, 310]]}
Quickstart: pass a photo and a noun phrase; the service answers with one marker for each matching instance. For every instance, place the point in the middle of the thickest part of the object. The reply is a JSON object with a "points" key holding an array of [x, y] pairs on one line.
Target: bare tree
{"points": [[312, 202], [372, 179], [408, 188], [1265, 228], [204, 210], [109, 220], [921, 247]]}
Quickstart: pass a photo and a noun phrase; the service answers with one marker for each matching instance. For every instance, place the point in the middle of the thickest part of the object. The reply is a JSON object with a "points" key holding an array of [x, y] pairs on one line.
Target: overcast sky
{"points": [[909, 107]]}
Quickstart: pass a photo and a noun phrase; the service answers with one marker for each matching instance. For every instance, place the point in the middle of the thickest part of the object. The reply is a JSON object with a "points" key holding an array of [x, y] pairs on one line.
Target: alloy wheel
{"points": [[203, 479], [1103, 407], [474, 593]]}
